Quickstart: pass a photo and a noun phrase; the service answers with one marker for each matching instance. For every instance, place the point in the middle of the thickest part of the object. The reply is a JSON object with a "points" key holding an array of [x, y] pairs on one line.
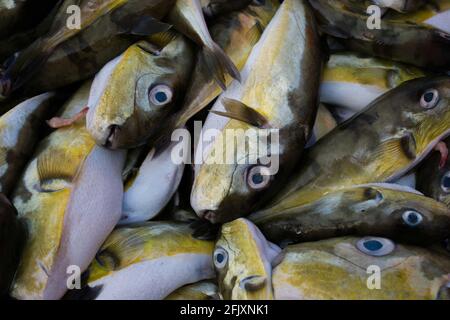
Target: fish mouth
{"points": [[111, 140]]}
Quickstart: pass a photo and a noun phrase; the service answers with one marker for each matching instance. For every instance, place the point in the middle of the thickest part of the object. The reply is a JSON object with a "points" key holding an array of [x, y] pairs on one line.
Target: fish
{"points": [[271, 103], [187, 17], [243, 261], [237, 33], [433, 176], [203, 290], [395, 40], [12, 239], [382, 143], [148, 262], [135, 92], [325, 123], [400, 5], [348, 268], [70, 199], [213, 8], [352, 81], [435, 14], [149, 190], [41, 21], [384, 210], [101, 26], [20, 130]]}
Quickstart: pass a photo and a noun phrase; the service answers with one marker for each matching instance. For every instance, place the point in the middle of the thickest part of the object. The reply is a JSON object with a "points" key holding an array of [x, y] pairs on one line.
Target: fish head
{"points": [[242, 259], [359, 269], [131, 253], [239, 169], [411, 217], [135, 92]]}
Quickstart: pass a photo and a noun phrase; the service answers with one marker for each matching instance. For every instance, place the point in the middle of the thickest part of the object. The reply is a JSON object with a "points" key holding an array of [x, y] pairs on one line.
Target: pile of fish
{"points": [[94, 205]]}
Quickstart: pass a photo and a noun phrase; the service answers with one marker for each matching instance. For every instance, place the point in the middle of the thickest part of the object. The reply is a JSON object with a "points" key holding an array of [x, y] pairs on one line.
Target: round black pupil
{"points": [[413, 218], [446, 182], [257, 178], [161, 96], [373, 245], [220, 258], [428, 97]]}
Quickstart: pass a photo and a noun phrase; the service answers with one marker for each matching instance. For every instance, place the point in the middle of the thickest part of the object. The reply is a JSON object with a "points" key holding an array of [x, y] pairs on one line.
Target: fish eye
{"points": [[160, 95], [258, 177], [429, 99], [412, 218], [376, 247], [220, 258], [445, 182]]}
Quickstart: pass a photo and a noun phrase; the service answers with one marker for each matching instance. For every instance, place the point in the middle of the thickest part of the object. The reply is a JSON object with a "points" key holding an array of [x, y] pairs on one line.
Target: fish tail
{"points": [[219, 64]]}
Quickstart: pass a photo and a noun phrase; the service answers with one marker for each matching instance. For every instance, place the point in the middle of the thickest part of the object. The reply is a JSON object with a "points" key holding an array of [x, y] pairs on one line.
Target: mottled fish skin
{"points": [[203, 290], [380, 144], [243, 261], [12, 239], [102, 24], [214, 8], [187, 17], [149, 261], [336, 269], [379, 210], [20, 129], [124, 108], [433, 180], [286, 95], [69, 197], [237, 33], [396, 40], [353, 81]]}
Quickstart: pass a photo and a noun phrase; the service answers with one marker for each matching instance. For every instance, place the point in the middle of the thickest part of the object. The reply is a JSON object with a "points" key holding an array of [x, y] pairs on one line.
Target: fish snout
{"points": [[253, 283]]}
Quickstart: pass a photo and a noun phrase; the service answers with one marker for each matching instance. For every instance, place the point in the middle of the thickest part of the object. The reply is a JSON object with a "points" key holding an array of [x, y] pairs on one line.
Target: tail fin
{"points": [[218, 62]]}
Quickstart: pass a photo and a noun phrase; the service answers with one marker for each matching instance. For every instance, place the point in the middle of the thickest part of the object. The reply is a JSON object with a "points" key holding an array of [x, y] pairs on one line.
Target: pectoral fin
{"points": [[239, 111]]}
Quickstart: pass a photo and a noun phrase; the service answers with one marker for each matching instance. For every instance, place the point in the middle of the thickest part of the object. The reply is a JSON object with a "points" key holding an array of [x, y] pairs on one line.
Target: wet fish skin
{"points": [[123, 111], [149, 191], [378, 210], [433, 180], [336, 269], [12, 240], [109, 19], [381, 144], [128, 266], [187, 17], [221, 192], [243, 259], [400, 5], [203, 290], [435, 13], [69, 197], [237, 33], [398, 41], [20, 129], [353, 81]]}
